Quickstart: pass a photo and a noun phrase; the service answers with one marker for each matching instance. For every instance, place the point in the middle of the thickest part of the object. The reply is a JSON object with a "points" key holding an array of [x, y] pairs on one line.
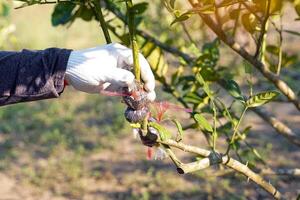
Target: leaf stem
{"points": [[235, 131]]}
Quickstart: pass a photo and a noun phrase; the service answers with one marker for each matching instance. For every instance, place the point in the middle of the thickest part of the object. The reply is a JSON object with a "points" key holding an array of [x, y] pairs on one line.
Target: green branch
{"points": [[134, 45], [96, 8]]}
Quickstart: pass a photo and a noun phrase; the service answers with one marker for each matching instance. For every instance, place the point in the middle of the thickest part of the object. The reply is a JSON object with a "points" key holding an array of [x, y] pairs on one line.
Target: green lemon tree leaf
{"points": [[139, 8], [179, 128], [233, 89], [181, 18], [261, 99], [62, 13], [164, 134], [203, 123]]}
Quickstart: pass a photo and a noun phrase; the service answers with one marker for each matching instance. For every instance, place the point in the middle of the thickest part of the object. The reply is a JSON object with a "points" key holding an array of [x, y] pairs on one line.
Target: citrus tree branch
{"points": [[281, 172], [213, 158], [230, 42], [279, 126]]}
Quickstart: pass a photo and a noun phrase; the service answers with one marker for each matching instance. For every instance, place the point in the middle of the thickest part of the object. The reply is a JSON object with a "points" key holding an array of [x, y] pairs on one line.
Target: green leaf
{"points": [[233, 89], [203, 123], [175, 76], [181, 18], [255, 152], [201, 80], [139, 8], [85, 13], [247, 67], [4, 9], [179, 128], [250, 22], [261, 99], [62, 13], [273, 49], [192, 97], [164, 134]]}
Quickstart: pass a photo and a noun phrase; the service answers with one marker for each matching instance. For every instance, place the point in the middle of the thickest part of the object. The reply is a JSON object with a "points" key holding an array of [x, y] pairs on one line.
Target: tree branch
{"points": [[282, 172], [96, 8], [213, 158], [230, 42], [279, 126]]}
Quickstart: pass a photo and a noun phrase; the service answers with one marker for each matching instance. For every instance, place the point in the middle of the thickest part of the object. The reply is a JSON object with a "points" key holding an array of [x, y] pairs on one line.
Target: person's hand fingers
{"points": [[146, 73], [120, 78], [151, 95]]}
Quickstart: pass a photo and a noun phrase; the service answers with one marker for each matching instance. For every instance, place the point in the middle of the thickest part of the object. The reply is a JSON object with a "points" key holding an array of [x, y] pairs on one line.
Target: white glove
{"points": [[107, 68]]}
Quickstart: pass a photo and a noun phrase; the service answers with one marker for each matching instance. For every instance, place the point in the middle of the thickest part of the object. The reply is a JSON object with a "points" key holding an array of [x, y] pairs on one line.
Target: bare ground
{"points": [[121, 171]]}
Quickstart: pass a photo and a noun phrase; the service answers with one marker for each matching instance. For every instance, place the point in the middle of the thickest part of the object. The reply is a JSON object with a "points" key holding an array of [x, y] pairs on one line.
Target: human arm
{"points": [[34, 75]]}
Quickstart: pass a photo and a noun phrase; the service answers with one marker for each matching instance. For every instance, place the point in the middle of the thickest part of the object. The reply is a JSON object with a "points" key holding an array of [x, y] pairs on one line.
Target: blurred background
{"points": [[80, 147]]}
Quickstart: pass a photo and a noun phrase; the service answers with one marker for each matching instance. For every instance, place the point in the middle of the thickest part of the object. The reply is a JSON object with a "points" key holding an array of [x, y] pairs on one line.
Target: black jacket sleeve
{"points": [[32, 75]]}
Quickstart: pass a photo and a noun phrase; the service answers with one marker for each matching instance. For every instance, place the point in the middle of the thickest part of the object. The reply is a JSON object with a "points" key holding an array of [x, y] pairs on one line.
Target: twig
{"points": [[212, 159], [187, 33], [281, 172], [280, 53], [237, 20], [236, 130], [96, 8], [263, 30], [280, 127]]}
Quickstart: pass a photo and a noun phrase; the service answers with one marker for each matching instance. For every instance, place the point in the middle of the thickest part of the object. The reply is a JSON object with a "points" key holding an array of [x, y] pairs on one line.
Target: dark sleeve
{"points": [[32, 75]]}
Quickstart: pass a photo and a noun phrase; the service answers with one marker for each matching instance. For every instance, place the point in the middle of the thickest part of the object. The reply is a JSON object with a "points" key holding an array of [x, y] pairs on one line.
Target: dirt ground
{"points": [[121, 171]]}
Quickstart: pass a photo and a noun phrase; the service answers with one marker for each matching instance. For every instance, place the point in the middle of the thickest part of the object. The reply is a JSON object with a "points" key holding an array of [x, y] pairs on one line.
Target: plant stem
{"points": [[99, 15], [235, 131], [134, 45], [264, 30], [135, 54], [215, 134]]}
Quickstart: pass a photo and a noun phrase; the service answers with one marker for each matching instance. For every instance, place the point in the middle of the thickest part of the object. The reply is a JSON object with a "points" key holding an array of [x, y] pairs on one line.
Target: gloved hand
{"points": [[107, 68]]}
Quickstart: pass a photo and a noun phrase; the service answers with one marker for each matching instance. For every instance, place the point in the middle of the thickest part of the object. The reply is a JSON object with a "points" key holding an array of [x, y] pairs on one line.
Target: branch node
{"points": [[215, 158]]}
